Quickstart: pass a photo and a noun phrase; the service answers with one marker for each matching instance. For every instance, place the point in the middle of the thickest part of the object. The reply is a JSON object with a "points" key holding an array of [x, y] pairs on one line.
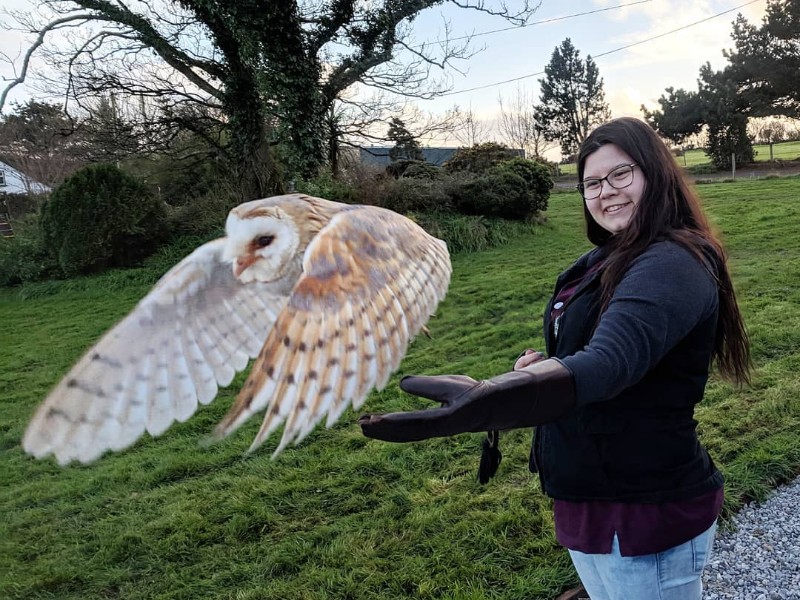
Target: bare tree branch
{"points": [[34, 46], [519, 17], [150, 37], [467, 128], [521, 126]]}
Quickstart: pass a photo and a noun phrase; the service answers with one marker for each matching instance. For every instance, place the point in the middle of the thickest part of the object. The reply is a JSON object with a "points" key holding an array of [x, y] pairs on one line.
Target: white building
{"points": [[15, 182]]}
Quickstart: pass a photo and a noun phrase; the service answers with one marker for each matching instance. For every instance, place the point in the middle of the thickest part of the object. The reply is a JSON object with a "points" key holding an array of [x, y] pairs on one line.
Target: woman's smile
{"points": [[614, 208]]}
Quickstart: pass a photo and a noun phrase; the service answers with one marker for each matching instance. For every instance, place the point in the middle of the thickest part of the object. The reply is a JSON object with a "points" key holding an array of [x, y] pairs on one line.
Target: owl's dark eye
{"points": [[265, 240]]}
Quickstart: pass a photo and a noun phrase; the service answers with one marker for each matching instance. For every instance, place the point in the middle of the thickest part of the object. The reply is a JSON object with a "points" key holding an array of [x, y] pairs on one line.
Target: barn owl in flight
{"points": [[325, 296]]}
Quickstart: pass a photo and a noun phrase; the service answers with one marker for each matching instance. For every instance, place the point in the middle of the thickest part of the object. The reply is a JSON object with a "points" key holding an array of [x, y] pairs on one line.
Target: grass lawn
{"points": [[782, 151], [343, 517]]}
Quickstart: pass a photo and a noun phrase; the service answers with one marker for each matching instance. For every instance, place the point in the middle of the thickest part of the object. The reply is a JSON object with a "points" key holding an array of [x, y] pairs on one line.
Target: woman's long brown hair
{"points": [[668, 210]]}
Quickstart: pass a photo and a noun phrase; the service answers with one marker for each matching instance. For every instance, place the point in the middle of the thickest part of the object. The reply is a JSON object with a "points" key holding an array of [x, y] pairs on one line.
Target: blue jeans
{"points": [[674, 574]]}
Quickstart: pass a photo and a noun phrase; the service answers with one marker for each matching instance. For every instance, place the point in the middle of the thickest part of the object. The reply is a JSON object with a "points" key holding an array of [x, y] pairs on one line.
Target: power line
{"points": [[660, 35], [650, 39], [542, 22]]}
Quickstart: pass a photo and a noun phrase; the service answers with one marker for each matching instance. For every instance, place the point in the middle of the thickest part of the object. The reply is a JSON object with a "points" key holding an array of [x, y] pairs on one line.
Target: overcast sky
{"points": [[634, 76]]}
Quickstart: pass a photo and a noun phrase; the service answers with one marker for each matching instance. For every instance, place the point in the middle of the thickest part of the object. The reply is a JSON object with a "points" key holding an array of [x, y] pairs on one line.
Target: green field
{"points": [[782, 151], [343, 517]]}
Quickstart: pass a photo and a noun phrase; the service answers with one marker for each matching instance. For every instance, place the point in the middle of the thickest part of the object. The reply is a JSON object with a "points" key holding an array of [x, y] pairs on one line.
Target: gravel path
{"points": [[760, 559]]}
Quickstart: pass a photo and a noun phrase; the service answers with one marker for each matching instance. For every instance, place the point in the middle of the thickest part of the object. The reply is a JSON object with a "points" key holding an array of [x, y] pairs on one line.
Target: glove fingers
{"points": [[441, 388], [404, 426]]}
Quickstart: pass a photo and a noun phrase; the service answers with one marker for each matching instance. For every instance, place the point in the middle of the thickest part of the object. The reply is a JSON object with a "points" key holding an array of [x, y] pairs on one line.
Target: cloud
{"points": [[626, 102], [697, 43], [672, 60]]}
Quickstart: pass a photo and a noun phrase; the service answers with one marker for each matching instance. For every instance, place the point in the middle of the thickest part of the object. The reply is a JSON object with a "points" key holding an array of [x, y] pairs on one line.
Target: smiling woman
{"points": [[630, 332], [612, 205]]}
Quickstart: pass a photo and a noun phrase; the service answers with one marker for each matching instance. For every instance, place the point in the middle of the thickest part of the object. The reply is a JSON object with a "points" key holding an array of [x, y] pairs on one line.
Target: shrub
{"points": [[722, 140], [702, 169], [554, 168], [500, 193], [23, 257], [203, 215], [479, 158], [537, 178], [367, 182], [21, 205], [465, 233], [408, 195], [180, 182], [325, 185], [397, 168], [422, 170], [101, 217]]}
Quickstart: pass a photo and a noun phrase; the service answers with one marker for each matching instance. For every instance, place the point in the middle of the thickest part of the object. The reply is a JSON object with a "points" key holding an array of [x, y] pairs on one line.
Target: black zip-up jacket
{"points": [[638, 375]]}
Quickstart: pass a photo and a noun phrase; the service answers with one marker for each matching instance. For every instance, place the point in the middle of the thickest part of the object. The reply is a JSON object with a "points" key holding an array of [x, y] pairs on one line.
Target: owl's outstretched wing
{"points": [[371, 279], [189, 335]]}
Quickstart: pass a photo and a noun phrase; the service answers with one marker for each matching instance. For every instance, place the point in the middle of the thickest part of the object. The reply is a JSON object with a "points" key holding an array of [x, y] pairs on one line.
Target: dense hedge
{"points": [[479, 158], [325, 185], [202, 215], [538, 180], [516, 189], [499, 193], [486, 180], [23, 258], [414, 195], [464, 233], [100, 218], [422, 170]]}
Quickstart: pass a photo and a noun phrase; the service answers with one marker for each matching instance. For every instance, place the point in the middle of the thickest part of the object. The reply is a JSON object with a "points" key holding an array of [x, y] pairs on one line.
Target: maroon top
{"points": [[589, 527], [641, 528]]}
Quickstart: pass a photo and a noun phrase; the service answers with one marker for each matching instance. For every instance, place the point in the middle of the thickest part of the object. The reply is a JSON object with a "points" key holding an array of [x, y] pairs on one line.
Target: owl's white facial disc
{"points": [[264, 243]]}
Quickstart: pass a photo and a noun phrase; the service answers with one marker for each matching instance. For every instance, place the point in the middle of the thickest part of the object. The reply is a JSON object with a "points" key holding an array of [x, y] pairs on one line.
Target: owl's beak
{"points": [[241, 263]]}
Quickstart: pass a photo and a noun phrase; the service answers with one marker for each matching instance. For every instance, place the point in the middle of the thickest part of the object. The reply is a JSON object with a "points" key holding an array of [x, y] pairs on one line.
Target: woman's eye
{"points": [[592, 184]]}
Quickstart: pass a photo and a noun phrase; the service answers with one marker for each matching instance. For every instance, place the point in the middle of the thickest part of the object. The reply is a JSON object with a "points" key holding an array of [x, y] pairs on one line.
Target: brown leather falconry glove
{"points": [[539, 394]]}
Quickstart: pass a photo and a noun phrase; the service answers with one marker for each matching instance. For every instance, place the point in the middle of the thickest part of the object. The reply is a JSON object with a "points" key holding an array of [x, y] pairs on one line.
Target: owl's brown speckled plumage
{"points": [[325, 296]]}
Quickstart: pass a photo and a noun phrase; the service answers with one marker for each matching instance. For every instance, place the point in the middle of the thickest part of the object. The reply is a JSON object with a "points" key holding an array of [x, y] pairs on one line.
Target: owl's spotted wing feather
{"points": [[371, 280], [189, 335]]}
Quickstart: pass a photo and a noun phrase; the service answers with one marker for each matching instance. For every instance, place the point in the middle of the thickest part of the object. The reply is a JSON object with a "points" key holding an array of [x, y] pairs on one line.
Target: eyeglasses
{"points": [[621, 177]]}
